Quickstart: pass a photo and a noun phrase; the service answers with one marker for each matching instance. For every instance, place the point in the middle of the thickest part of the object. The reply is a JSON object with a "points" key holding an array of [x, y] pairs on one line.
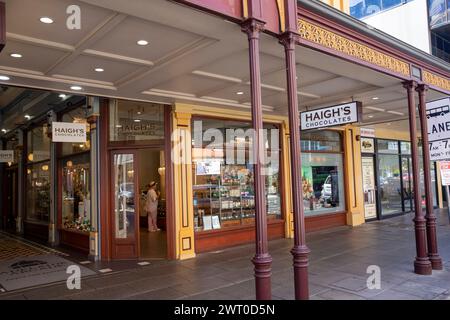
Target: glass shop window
{"points": [[223, 175], [38, 177], [322, 172], [76, 177], [38, 192], [78, 115], [76, 197], [136, 121]]}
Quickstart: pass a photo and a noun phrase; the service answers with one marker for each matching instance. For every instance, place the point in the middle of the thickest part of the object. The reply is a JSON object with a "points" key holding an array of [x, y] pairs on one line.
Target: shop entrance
{"points": [[139, 190], [11, 192]]}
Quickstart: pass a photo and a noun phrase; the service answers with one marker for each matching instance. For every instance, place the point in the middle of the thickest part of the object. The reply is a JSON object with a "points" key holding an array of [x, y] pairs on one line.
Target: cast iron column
{"points": [[262, 259], [422, 264], [436, 261], [300, 251]]}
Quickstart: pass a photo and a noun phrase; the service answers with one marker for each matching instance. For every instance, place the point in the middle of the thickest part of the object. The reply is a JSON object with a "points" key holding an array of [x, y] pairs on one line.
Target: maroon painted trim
{"points": [[105, 223], [214, 8], [170, 200]]}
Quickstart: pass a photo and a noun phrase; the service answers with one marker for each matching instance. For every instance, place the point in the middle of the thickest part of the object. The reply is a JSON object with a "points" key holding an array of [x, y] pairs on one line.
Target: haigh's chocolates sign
{"points": [[6, 156], [68, 132], [331, 116]]}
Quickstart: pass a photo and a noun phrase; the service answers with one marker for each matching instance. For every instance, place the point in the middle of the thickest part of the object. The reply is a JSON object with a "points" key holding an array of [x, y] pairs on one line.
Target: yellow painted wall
{"points": [[343, 5], [353, 176]]}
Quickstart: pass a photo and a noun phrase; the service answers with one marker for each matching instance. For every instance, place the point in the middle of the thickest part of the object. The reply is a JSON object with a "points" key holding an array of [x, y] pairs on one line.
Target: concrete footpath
{"points": [[338, 270]]}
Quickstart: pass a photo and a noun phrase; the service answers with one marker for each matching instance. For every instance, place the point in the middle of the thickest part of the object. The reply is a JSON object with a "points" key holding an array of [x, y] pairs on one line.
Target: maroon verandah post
{"points": [[422, 264], [435, 259], [300, 251], [262, 259]]}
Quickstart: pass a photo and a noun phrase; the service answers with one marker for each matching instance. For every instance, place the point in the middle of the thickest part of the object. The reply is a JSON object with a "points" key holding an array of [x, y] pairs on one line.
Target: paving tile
{"points": [[351, 284], [420, 290], [394, 295], [334, 294], [161, 294]]}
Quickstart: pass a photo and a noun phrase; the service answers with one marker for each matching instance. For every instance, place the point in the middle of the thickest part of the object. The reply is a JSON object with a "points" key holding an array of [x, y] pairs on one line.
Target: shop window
{"points": [[38, 175], [387, 146], [136, 121], [223, 175], [405, 147], [321, 140], [322, 172], [12, 144], [323, 183], [78, 115], [76, 198], [76, 177], [38, 144], [38, 192]]}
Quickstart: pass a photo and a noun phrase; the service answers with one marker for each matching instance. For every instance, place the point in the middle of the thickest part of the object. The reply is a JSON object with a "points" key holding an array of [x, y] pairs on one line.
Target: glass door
{"points": [[390, 192], [125, 205]]}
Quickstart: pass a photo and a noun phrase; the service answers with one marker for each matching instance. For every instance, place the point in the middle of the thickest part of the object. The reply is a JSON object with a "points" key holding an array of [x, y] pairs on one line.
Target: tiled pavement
{"points": [[338, 264]]}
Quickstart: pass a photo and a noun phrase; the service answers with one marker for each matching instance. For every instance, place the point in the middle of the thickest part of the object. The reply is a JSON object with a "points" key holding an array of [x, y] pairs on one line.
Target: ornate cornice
{"points": [[435, 80], [326, 38]]}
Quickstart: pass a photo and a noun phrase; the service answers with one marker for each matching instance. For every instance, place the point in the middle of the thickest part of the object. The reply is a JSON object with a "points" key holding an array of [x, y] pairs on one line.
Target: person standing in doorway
{"points": [[151, 207]]}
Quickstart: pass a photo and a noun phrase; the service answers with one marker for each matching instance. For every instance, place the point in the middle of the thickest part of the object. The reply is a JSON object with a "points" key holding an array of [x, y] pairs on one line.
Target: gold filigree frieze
{"points": [[328, 39], [435, 80]]}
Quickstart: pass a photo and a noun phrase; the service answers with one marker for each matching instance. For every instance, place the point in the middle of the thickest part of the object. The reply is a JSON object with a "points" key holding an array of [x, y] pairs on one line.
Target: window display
{"points": [[322, 172], [76, 199], [76, 179], [38, 175], [223, 186], [38, 192]]}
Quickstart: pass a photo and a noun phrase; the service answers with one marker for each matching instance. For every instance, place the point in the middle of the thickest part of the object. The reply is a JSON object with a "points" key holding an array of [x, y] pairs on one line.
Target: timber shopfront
{"points": [[137, 155]]}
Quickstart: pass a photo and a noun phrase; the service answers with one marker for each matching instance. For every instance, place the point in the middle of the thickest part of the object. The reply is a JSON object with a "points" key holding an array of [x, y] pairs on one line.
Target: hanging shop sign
{"points": [[438, 120], [68, 132], [331, 116], [445, 172], [6, 156]]}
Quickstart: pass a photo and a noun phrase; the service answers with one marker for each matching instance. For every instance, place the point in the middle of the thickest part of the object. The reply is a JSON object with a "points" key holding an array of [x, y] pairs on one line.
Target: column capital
{"points": [[409, 85], [422, 88], [252, 27], [289, 39]]}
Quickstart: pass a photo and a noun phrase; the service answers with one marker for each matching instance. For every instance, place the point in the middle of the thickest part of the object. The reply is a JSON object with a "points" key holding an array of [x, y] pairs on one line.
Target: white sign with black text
{"points": [[68, 132], [331, 116], [6, 156], [438, 121]]}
